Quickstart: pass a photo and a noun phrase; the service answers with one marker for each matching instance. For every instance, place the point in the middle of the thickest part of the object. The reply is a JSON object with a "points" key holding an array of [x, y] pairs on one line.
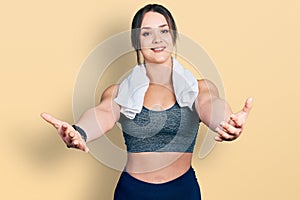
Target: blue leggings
{"points": [[184, 187]]}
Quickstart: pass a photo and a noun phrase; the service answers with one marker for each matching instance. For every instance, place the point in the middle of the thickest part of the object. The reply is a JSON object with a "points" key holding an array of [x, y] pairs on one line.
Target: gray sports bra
{"points": [[171, 130]]}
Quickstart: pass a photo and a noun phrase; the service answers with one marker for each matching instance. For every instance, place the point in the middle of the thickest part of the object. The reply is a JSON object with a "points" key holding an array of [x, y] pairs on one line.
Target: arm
{"points": [[95, 121], [216, 112], [102, 118]]}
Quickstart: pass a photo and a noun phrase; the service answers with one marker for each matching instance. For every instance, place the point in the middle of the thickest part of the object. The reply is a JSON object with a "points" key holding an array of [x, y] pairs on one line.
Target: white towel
{"points": [[132, 89]]}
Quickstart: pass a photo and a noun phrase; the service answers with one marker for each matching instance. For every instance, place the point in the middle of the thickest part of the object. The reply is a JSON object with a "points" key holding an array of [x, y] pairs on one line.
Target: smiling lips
{"points": [[158, 49]]}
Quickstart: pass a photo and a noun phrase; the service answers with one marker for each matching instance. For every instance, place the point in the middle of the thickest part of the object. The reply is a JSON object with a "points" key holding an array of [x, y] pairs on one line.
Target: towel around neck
{"points": [[133, 88]]}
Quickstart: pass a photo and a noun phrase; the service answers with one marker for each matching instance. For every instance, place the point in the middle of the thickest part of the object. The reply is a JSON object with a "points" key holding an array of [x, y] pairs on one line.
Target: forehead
{"points": [[153, 20]]}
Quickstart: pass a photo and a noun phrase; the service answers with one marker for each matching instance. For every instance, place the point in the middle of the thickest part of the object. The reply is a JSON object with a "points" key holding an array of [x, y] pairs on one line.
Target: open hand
{"points": [[233, 128], [69, 135]]}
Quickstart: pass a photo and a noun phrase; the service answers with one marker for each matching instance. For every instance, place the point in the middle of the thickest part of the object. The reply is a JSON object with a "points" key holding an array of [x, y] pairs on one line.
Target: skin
{"points": [[156, 167]]}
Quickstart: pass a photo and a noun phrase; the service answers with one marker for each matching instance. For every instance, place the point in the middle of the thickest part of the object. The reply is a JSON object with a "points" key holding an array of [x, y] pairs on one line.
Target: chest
{"points": [[173, 130], [159, 97]]}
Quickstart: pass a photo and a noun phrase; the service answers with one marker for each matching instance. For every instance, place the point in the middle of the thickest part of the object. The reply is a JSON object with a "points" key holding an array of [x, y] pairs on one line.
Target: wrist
{"points": [[80, 131]]}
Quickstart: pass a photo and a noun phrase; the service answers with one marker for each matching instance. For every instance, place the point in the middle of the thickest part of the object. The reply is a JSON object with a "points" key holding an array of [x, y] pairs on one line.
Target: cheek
{"points": [[170, 44], [145, 42], [169, 39]]}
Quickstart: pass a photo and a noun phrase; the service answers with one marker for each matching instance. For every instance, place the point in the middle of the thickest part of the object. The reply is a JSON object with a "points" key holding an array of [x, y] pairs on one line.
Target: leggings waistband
{"points": [[189, 173], [184, 187]]}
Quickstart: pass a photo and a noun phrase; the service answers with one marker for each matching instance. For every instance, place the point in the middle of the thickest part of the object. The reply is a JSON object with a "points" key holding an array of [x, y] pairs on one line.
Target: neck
{"points": [[160, 73]]}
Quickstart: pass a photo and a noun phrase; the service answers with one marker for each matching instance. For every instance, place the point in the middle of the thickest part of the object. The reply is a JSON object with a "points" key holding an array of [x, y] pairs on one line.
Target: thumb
{"points": [[248, 105]]}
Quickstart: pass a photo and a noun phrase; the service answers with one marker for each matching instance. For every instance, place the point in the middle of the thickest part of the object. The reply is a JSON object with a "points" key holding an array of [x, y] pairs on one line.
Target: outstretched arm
{"points": [[216, 113], [95, 121], [102, 118]]}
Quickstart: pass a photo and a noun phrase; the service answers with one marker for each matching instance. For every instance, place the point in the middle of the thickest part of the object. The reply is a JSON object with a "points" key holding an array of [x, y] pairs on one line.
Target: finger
{"points": [[218, 139], [239, 120], [71, 142], [224, 135], [64, 127], [72, 134], [64, 131], [231, 122], [72, 137], [77, 141], [50, 119], [82, 146], [230, 129], [248, 105]]}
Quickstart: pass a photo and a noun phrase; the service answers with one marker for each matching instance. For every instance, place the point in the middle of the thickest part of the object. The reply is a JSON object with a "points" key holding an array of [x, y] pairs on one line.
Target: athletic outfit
{"points": [[184, 187], [171, 130]]}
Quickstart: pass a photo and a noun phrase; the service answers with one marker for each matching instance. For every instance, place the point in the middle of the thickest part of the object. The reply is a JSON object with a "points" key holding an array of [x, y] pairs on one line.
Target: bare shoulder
{"points": [[110, 92], [107, 103], [206, 85]]}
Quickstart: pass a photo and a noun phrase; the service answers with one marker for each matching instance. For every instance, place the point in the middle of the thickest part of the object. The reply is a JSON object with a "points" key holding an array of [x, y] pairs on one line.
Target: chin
{"points": [[159, 59], [162, 60]]}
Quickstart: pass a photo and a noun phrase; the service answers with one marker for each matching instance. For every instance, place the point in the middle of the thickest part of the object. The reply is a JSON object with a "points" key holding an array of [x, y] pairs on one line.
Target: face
{"points": [[155, 39]]}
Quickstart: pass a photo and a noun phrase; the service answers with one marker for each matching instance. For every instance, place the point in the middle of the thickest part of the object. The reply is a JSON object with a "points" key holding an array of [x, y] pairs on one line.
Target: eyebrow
{"points": [[160, 26]]}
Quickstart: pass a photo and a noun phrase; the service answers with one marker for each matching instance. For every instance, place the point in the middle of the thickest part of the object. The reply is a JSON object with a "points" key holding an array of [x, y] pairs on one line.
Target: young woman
{"points": [[159, 106]]}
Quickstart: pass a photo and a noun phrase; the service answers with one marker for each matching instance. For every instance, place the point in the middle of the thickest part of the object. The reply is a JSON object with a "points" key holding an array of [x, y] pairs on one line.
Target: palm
{"points": [[69, 135]]}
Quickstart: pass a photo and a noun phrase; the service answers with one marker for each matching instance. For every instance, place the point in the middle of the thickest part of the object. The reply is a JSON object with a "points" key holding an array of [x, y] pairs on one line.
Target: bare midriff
{"points": [[158, 167]]}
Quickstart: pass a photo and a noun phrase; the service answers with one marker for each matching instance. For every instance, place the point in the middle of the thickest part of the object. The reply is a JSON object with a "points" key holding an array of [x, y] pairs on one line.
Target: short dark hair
{"points": [[137, 22]]}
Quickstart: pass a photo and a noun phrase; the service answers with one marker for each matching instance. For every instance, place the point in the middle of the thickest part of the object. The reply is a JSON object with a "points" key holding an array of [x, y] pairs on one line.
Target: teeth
{"points": [[158, 49]]}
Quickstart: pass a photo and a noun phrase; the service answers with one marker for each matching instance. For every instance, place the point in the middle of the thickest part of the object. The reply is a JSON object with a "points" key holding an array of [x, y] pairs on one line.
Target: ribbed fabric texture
{"points": [[171, 130]]}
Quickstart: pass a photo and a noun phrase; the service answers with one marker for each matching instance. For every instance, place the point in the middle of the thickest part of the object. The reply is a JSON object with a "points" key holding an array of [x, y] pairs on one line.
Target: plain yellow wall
{"points": [[254, 44]]}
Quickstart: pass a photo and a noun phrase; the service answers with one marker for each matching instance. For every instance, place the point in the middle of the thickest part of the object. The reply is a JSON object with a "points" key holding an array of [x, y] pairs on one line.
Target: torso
{"points": [[158, 167], [159, 97]]}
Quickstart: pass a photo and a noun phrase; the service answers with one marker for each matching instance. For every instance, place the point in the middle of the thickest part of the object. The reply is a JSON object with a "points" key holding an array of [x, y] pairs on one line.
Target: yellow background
{"points": [[254, 44]]}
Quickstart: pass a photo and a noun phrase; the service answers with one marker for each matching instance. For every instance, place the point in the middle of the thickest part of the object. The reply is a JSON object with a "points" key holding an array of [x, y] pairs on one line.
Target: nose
{"points": [[156, 37]]}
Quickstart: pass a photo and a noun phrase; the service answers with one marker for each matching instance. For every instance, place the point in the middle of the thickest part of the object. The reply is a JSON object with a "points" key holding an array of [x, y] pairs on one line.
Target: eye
{"points": [[165, 31], [145, 34]]}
